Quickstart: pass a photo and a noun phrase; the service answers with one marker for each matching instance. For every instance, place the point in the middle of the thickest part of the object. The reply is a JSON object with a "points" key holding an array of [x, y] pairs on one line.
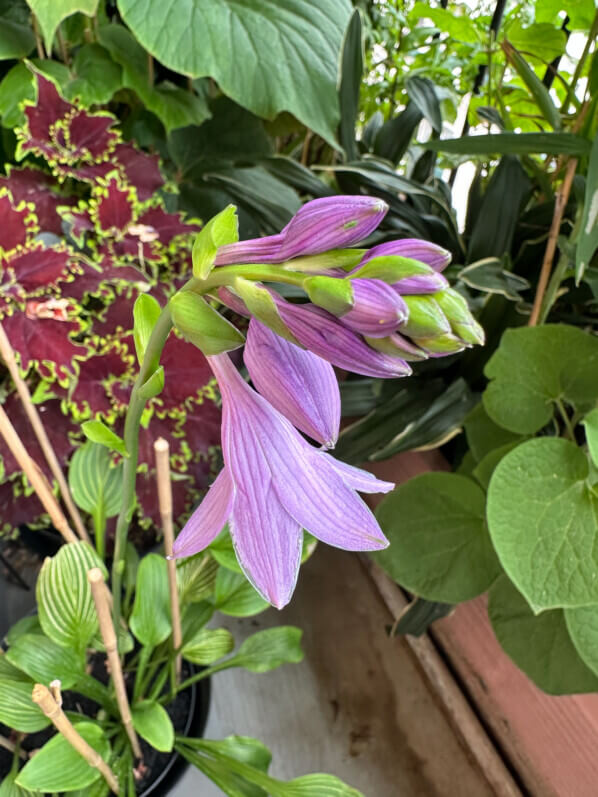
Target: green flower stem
{"points": [[566, 420], [131, 437], [226, 275]]}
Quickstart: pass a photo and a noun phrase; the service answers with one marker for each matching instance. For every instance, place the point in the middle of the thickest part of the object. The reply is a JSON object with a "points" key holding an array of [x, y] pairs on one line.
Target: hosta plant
{"points": [[60, 651], [85, 230]]}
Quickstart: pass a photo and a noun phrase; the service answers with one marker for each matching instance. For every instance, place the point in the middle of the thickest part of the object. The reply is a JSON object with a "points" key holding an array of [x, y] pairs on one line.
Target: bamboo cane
{"points": [[162, 452], [36, 477], [8, 355], [53, 711], [100, 593]]}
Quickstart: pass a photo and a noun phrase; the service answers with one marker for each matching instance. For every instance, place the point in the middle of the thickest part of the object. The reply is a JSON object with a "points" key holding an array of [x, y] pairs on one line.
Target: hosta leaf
{"points": [[268, 649], [539, 644], [536, 366], [44, 661], [290, 50], [196, 577], [153, 724], [440, 548], [59, 767], [150, 619], [8, 787], [65, 605], [235, 596], [96, 485], [17, 710], [208, 645], [542, 517]]}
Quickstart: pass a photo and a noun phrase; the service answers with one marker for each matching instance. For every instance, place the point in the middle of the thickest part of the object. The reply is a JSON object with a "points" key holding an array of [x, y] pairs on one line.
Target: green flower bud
{"points": [[331, 293], [397, 346], [426, 319], [392, 268], [457, 311], [439, 345]]}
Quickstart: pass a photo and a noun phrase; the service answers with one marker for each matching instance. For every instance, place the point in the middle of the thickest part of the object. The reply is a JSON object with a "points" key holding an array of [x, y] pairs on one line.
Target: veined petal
{"points": [[254, 250], [323, 334], [361, 480], [378, 308], [208, 520], [299, 384], [268, 544], [424, 251]]}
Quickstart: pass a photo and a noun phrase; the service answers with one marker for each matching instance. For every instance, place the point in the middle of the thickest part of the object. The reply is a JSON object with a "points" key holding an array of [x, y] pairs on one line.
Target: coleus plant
{"points": [[84, 232]]}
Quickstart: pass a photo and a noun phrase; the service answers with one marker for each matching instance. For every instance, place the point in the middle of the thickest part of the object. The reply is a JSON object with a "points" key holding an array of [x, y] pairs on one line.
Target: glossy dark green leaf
{"points": [[489, 276], [439, 545], [50, 13], [96, 76], [419, 615], [394, 136], [540, 645], [351, 72], [422, 94], [513, 144], [493, 232], [588, 236]]}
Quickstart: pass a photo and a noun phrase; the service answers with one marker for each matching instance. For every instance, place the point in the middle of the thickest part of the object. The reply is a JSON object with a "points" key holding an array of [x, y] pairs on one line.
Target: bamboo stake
{"points": [[100, 593], [8, 355], [11, 747], [162, 452], [36, 477], [562, 198], [51, 708]]}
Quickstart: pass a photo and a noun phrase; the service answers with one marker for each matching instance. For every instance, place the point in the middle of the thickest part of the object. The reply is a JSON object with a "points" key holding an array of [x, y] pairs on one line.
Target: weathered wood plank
{"points": [[358, 706]]}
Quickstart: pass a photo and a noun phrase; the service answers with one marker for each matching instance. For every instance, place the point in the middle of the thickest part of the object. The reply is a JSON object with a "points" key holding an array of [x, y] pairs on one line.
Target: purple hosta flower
{"points": [[323, 334], [377, 309], [275, 484], [424, 251], [421, 283], [322, 224], [297, 383]]}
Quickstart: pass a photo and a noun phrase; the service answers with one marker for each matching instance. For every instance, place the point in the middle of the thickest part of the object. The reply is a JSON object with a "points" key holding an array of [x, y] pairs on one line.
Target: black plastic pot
{"points": [[169, 774]]}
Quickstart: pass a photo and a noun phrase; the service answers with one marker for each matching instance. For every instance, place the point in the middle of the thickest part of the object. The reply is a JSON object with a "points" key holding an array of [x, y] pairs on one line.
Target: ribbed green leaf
{"points": [[8, 787], [59, 767], [208, 645], [268, 649], [65, 605], [235, 596], [513, 144], [196, 577], [17, 709], [153, 724], [44, 660], [150, 620], [96, 485]]}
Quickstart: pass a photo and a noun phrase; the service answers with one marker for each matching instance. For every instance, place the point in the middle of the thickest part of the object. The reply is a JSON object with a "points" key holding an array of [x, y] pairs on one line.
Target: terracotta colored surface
{"points": [[551, 742]]}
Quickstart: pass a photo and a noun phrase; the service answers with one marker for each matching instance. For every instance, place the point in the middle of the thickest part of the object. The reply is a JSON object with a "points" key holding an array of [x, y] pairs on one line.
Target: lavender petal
{"points": [[208, 520]]}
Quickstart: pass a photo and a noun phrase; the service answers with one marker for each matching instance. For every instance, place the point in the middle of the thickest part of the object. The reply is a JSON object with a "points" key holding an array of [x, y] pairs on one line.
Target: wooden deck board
{"points": [[358, 706]]}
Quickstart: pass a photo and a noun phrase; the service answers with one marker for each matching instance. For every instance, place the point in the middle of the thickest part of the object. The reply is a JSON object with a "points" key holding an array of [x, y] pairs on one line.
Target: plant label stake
{"points": [[100, 593], [162, 452], [46, 700]]}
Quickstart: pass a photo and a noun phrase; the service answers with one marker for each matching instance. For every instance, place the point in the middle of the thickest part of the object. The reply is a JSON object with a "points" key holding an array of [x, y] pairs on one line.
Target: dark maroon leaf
{"points": [[167, 225], [58, 426], [32, 185], [114, 207], [88, 136], [41, 118], [17, 508], [141, 170], [40, 268], [90, 173], [18, 224], [41, 336], [187, 376], [90, 394]]}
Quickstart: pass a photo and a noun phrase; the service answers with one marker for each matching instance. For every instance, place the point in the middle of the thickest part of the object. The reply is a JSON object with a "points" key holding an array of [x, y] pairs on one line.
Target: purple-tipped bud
{"points": [[421, 283], [324, 335], [322, 224], [424, 251], [297, 383], [377, 309]]}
